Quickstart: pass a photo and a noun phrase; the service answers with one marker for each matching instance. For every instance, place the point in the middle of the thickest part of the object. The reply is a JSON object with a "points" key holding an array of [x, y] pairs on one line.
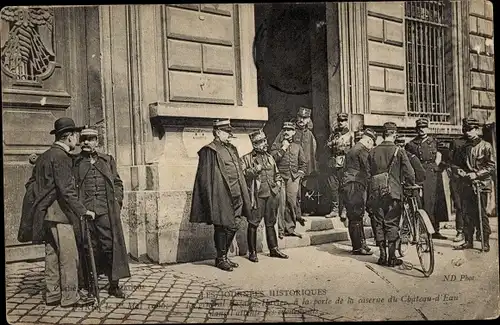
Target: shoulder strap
{"points": [[392, 160]]}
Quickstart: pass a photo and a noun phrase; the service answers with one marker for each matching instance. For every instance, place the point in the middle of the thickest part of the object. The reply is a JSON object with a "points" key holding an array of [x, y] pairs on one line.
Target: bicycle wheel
{"points": [[404, 232], [425, 246]]}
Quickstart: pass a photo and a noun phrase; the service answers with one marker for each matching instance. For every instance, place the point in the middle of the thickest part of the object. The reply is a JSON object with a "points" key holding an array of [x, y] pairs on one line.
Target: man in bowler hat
{"points": [[100, 189], [220, 193], [52, 213], [264, 184]]}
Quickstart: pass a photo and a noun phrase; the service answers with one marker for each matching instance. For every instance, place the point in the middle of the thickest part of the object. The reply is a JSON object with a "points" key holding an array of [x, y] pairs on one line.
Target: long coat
{"points": [[114, 193], [306, 139], [212, 202], [44, 187]]}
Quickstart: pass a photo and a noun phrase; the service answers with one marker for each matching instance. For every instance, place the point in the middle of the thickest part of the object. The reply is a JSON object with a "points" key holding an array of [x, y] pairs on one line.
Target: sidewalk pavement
{"points": [[155, 294]]}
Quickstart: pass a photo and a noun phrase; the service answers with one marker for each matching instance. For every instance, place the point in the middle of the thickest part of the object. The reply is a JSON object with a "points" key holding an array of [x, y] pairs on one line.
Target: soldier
{"points": [[358, 135], [474, 164], [100, 189], [51, 214], [414, 161], [425, 148], [264, 184], [353, 190], [306, 139], [339, 142], [292, 166], [220, 194], [384, 198]]}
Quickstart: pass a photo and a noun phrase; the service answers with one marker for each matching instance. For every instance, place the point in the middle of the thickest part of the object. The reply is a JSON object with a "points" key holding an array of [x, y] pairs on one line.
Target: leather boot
{"points": [[359, 233], [335, 211], [220, 246], [486, 242], [469, 243], [252, 243], [364, 245], [393, 260], [354, 235], [115, 290], [272, 243], [229, 240], [383, 254]]}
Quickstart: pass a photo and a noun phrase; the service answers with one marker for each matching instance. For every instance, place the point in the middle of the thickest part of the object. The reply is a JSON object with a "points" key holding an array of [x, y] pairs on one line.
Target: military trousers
{"points": [[471, 212], [354, 197], [386, 217], [61, 264], [267, 209], [334, 183], [102, 243], [290, 209]]}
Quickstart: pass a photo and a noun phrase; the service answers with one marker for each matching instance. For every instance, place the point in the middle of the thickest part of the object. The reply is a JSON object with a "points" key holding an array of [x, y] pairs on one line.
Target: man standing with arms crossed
{"points": [[220, 194], [264, 183], [101, 190], [53, 215]]}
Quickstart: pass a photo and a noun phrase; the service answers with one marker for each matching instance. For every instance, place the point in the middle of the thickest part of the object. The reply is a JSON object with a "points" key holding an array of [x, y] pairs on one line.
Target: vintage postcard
{"points": [[210, 163]]}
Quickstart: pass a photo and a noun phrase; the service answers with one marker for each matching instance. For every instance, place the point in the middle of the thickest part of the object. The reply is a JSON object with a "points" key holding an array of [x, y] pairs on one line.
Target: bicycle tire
{"points": [[422, 229], [405, 234]]}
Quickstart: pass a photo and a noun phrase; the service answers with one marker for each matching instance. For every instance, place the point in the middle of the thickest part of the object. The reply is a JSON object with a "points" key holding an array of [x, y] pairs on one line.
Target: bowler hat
{"points": [[342, 117], [390, 126], [65, 124], [304, 112]]}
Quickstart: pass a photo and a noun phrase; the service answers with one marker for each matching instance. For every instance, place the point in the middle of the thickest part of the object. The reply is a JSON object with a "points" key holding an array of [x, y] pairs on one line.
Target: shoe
{"points": [[361, 251], [222, 264], [486, 243], [459, 237], [116, 292], [393, 261], [294, 234], [280, 235], [465, 245], [233, 264], [478, 236], [437, 235], [275, 252], [383, 254], [302, 221], [54, 303], [82, 302], [365, 246], [335, 211], [253, 257]]}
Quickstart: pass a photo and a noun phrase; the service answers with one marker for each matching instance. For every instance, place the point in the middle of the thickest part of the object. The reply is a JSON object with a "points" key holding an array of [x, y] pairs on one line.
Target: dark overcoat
{"points": [[212, 202], [44, 187], [114, 192]]}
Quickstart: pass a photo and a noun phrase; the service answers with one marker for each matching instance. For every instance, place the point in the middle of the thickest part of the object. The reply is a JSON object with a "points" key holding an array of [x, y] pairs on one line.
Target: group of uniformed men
{"points": [[63, 190], [266, 183]]}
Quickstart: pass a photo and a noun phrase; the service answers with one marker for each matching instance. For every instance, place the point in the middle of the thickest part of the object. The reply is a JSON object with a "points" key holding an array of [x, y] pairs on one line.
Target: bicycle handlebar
{"points": [[412, 187]]}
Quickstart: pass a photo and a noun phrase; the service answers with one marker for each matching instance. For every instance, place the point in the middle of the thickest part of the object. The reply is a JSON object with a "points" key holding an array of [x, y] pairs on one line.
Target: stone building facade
{"points": [[152, 78]]}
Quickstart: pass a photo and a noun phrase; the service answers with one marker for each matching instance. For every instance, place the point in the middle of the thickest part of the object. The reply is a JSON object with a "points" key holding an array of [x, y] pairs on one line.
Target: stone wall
{"points": [[481, 59]]}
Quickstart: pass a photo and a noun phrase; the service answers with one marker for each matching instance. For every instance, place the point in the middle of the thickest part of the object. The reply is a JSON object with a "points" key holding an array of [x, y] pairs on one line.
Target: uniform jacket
{"points": [[476, 156], [212, 202], [401, 172], [356, 165], [51, 181], [254, 179], [340, 142], [106, 165], [417, 167], [425, 150], [292, 162], [305, 138]]}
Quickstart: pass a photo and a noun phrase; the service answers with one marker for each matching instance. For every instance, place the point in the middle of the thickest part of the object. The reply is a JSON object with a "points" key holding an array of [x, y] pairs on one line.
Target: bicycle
{"points": [[416, 229]]}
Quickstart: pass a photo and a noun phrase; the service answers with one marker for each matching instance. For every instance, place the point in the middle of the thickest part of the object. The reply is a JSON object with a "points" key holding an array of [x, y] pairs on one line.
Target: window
{"points": [[426, 29]]}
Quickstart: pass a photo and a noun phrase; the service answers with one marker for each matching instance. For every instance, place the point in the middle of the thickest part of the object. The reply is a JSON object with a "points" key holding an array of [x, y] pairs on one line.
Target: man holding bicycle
{"points": [[473, 163], [389, 168]]}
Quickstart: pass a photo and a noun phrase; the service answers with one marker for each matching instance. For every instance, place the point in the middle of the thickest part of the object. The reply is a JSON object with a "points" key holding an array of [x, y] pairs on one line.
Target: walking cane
{"points": [[477, 190], [95, 284]]}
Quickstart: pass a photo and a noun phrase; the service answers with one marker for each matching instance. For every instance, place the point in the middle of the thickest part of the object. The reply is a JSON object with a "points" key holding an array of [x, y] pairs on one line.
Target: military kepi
{"points": [[470, 122], [65, 124], [422, 123], [358, 135], [257, 136], [88, 132], [223, 125], [370, 133], [289, 125], [399, 140], [304, 112], [342, 117]]}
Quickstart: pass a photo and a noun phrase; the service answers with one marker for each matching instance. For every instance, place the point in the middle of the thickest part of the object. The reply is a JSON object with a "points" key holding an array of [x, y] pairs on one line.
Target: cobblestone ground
{"points": [[155, 294]]}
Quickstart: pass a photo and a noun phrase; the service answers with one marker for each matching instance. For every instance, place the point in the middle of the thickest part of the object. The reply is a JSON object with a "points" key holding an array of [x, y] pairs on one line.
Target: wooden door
{"points": [[45, 62]]}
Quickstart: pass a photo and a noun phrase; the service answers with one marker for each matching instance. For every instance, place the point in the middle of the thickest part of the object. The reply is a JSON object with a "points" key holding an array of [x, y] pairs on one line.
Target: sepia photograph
{"points": [[249, 162]]}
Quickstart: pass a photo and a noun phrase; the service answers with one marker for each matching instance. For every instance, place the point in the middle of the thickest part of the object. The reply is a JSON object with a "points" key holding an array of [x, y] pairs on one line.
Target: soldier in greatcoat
{"points": [[474, 165], [353, 190], [51, 214], [100, 189], [387, 207], [264, 184], [340, 141], [220, 193], [291, 161], [425, 148]]}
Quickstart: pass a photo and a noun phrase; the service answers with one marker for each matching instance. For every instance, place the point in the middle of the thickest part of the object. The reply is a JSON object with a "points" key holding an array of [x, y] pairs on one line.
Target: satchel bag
{"points": [[379, 184]]}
